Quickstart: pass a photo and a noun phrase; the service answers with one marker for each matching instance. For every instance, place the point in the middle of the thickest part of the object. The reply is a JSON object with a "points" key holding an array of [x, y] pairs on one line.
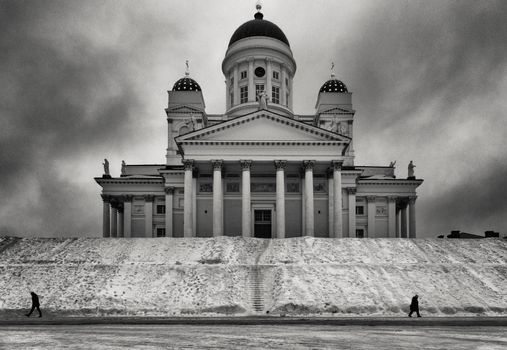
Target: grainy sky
{"points": [[85, 80]]}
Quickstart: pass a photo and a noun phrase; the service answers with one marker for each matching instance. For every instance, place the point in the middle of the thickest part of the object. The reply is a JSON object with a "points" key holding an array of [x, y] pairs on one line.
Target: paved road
{"points": [[250, 337]]}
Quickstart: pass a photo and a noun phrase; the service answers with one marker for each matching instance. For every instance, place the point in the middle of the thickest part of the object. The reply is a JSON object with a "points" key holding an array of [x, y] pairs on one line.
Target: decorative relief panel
{"points": [[206, 187], [232, 187], [263, 187], [292, 187], [381, 210], [320, 187], [138, 209]]}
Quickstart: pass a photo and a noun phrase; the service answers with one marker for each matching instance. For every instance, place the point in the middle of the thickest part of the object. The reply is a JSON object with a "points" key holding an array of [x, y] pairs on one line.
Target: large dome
{"points": [[258, 27], [186, 84], [333, 85]]}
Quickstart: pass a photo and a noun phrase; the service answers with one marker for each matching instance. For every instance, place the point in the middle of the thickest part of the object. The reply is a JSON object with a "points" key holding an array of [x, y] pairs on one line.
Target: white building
{"points": [[259, 169]]}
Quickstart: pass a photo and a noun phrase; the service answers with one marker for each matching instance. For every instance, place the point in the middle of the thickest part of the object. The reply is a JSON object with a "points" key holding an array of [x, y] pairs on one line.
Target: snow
{"points": [[224, 275]]}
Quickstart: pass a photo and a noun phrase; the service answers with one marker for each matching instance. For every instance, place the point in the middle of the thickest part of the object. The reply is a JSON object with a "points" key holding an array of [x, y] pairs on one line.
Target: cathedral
{"points": [[259, 169]]}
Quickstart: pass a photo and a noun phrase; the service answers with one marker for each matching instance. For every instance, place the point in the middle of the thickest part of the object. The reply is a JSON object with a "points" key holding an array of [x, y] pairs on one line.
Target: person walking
{"points": [[414, 306], [35, 304]]}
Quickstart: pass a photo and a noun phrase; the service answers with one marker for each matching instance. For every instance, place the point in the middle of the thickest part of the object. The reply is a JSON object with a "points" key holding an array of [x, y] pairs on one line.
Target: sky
{"points": [[81, 81]]}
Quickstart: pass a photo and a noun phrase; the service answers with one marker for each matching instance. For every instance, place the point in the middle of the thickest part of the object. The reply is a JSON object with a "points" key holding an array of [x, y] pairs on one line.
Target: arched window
{"points": [[183, 130]]}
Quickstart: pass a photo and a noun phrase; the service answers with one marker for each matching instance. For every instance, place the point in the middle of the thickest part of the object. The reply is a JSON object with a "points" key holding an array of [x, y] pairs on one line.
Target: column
{"points": [[411, 216], [114, 218], [269, 76], [309, 226], [251, 86], [280, 198], [235, 86], [391, 212], [337, 199], [330, 196], [246, 200], [403, 223], [371, 216], [352, 211], [127, 216], [218, 228], [148, 215], [397, 222], [291, 94], [120, 220], [283, 90], [169, 193], [188, 229], [106, 229]]}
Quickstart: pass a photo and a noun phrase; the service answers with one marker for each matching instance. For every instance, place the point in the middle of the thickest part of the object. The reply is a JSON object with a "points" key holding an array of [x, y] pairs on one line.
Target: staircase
{"points": [[256, 289]]}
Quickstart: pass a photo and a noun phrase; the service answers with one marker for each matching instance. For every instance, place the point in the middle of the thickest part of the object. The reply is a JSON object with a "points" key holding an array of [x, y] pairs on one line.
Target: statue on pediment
{"points": [[263, 100], [123, 167]]}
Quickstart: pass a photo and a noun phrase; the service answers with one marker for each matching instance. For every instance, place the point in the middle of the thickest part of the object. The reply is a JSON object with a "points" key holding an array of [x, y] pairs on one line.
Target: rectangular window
{"points": [[243, 75], [360, 210], [258, 89], [232, 81], [243, 94], [359, 233], [275, 94], [232, 99], [287, 99], [160, 232], [161, 209], [286, 82], [276, 75]]}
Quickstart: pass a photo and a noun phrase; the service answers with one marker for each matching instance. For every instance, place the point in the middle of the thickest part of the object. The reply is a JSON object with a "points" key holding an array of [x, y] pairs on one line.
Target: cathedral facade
{"points": [[259, 169]]}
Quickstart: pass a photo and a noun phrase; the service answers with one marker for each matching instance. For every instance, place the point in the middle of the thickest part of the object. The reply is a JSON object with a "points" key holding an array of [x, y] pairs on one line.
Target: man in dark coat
{"points": [[35, 304], [414, 306]]}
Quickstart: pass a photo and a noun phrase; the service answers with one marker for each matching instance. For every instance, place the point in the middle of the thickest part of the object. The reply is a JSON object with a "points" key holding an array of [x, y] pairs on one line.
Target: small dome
{"points": [[258, 27], [333, 85], [186, 84]]}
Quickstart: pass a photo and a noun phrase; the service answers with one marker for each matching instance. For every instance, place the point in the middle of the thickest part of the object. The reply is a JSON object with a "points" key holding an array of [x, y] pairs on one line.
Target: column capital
{"points": [[268, 59], [188, 163], [392, 198], [245, 164], [308, 164], [149, 197], [371, 198], [250, 59], [337, 164], [351, 190], [280, 164], [411, 200], [106, 198], [169, 190], [217, 164], [126, 198]]}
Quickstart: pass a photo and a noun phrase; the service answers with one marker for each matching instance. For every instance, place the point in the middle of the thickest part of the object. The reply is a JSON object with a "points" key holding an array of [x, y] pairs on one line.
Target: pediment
{"points": [[261, 127], [183, 109], [337, 110]]}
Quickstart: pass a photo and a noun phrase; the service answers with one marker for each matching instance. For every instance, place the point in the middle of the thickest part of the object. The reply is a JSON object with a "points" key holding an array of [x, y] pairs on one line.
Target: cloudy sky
{"points": [[85, 80]]}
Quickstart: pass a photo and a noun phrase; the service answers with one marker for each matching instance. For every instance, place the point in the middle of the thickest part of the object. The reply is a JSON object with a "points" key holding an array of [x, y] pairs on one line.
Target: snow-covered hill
{"points": [[232, 275]]}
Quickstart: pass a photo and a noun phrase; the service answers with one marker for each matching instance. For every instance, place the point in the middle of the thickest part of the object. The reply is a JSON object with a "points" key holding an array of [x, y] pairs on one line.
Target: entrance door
{"points": [[262, 223]]}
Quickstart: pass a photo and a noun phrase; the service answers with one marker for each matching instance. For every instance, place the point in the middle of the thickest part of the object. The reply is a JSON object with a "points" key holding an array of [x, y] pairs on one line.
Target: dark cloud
{"points": [[63, 98]]}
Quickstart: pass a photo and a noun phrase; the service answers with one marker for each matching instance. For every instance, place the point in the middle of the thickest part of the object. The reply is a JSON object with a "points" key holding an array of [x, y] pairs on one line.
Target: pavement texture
{"points": [[293, 337], [261, 320]]}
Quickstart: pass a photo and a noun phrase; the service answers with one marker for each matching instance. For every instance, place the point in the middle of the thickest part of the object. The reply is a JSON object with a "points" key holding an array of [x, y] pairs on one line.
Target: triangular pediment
{"points": [[337, 110], [183, 109], [263, 126]]}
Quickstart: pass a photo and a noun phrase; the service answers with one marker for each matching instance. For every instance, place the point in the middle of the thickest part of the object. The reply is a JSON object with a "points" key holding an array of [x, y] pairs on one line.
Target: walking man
{"points": [[414, 306], [35, 304]]}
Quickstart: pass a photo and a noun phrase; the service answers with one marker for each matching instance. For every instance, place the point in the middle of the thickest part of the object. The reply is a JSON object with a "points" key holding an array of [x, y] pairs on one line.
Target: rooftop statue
{"points": [[123, 167], [106, 167], [411, 167]]}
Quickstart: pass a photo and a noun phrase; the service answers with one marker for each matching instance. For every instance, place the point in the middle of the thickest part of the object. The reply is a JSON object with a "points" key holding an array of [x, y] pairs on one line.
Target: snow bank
{"points": [[236, 276]]}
